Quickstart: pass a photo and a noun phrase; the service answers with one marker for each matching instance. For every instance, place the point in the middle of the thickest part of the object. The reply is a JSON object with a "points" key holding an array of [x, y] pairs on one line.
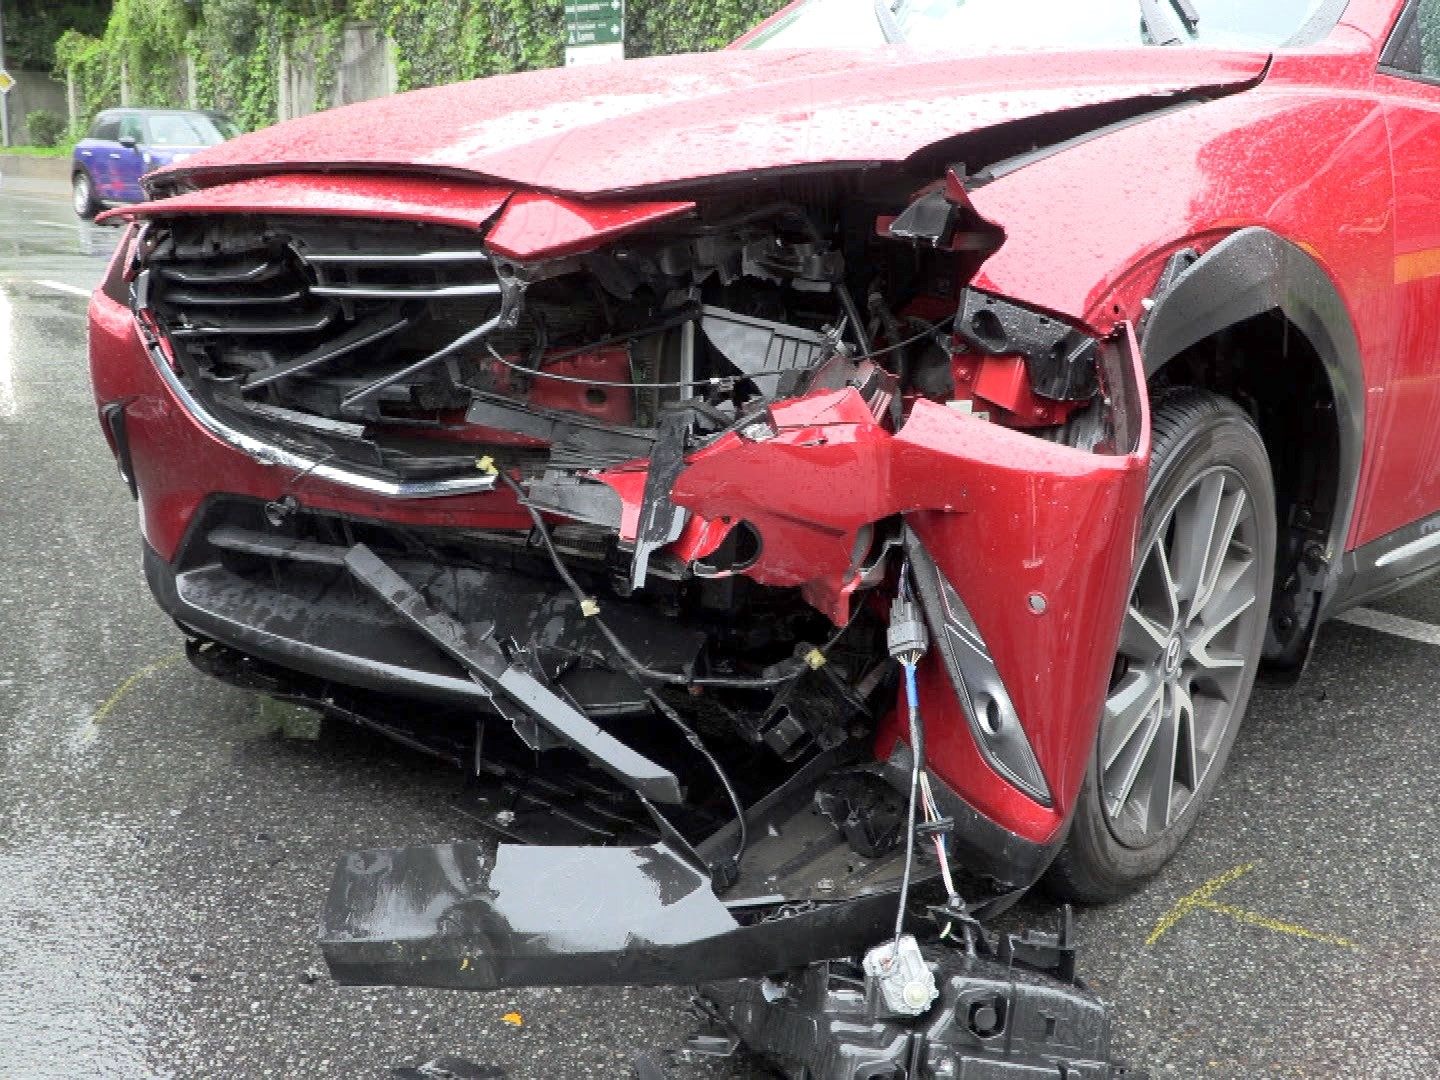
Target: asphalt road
{"points": [[164, 847]]}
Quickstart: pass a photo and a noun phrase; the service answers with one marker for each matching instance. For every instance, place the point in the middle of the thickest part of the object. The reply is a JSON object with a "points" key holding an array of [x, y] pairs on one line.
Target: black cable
{"points": [[636, 668], [537, 373], [742, 838]]}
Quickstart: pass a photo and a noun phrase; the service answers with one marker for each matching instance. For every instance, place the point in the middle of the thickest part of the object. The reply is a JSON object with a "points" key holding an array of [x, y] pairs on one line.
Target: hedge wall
{"points": [[236, 43]]}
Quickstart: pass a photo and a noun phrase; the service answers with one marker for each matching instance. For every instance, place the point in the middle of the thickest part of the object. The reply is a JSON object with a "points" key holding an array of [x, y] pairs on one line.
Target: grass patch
{"points": [[38, 151]]}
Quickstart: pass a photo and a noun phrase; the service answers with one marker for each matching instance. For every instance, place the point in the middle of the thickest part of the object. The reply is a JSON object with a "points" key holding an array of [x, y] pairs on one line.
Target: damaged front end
{"points": [[630, 510]]}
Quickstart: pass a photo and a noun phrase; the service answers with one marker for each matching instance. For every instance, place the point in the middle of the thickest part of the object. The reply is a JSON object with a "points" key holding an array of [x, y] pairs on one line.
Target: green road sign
{"points": [[594, 22]]}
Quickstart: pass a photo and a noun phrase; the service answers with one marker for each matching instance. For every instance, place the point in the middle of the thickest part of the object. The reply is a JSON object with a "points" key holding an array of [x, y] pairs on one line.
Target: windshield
{"points": [[1040, 24], [183, 129]]}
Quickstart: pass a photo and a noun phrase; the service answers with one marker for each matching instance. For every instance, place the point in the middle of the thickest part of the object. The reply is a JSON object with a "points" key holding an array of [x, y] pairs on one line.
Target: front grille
{"points": [[256, 302], [318, 332]]}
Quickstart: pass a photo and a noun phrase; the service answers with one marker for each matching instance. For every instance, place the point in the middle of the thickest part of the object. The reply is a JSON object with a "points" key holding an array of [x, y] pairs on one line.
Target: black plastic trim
{"points": [[1251, 273], [1383, 566], [983, 847], [114, 417], [455, 916]]}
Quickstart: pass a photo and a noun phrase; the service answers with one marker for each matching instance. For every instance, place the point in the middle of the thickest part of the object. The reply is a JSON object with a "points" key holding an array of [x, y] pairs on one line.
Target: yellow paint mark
{"points": [[1186, 904], [465, 964], [1203, 899], [1250, 918], [125, 687], [514, 1019]]}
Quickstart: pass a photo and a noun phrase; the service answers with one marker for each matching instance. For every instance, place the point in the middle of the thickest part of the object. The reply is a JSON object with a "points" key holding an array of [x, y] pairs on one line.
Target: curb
{"points": [[34, 168]]}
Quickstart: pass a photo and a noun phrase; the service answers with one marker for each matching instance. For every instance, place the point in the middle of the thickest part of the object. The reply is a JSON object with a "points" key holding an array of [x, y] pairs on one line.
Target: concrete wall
{"points": [[364, 69], [33, 90]]}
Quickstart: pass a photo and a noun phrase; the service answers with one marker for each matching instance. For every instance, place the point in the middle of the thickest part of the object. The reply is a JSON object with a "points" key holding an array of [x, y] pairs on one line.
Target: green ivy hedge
{"points": [[236, 44]]}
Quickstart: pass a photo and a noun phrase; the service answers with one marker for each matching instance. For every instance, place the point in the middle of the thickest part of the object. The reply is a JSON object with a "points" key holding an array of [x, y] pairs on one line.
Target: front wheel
{"points": [[1188, 651], [83, 195]]}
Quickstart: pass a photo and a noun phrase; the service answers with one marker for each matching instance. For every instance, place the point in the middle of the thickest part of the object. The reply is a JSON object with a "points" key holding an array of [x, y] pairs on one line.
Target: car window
{"points": [[183, 129], [1043, 24], [106, 128], [1414, 47], [130, 129]]}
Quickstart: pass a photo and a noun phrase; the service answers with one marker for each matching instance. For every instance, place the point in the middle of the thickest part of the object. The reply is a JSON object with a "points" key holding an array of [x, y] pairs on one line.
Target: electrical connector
{"points": [[907, 638]]}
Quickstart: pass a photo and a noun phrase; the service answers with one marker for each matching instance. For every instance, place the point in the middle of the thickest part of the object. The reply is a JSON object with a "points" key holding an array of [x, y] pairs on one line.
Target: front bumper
{"points": [[1035, 537]]}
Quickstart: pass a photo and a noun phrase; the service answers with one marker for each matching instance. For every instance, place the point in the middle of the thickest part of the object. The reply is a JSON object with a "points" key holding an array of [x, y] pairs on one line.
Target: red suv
{"points": [[614, 430]]}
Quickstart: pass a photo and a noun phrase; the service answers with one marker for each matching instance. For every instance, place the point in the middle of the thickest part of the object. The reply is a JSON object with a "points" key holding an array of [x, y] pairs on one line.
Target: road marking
{"points": [[1396, 625], [125, 687], [60, 286], [1203, 899], [52, 224]]}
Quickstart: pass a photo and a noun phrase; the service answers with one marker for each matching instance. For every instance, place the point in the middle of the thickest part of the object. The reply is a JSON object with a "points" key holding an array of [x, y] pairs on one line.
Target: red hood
{"points": [[649, 123]]}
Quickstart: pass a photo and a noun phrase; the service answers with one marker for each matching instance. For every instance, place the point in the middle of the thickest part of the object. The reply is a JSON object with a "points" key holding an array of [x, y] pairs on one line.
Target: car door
{"points": [[95, 154], [130, 159], [1404, 483]]}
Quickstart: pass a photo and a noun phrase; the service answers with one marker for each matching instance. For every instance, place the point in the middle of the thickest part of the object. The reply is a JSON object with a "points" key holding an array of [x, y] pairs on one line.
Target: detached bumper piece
{"points": [[995, 1019], [452, 916]]}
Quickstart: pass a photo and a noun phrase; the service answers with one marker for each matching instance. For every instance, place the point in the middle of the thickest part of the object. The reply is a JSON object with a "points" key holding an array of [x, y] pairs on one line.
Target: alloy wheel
{"points": [[1182, 661], [82, 194]]}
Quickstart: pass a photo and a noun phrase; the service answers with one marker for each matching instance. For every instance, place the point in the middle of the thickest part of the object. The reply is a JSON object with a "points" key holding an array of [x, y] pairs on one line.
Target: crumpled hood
{"points": [[644, 124]]}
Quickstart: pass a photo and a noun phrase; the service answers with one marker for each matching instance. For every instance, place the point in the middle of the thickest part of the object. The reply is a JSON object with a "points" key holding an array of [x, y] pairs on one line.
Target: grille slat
{"points": [[418, 292], [395, 258], [200, 274], [196, 299], [250, 327]]}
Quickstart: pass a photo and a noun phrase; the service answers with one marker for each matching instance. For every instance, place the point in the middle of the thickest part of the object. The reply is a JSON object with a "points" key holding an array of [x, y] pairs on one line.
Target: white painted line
{"points": [[60, 286], [52, 224], [1398, 625]]}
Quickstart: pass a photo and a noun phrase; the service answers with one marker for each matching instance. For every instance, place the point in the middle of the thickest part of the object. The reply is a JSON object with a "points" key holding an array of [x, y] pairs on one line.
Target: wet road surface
{"points": [[164, 847]]}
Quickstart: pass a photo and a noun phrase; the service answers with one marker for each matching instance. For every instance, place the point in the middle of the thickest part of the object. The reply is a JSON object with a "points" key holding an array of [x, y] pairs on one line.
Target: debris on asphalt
{"points": [[449, 1068]]}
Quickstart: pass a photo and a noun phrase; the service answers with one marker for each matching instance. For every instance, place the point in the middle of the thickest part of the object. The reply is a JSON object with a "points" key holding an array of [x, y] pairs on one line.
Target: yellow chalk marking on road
{"points": [[1203, 899], [125, 687], [1186, 904], [1251, 918]]}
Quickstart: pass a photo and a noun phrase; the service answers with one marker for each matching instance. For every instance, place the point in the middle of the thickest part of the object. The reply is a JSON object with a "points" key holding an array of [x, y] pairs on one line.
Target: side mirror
{"points": [[128, 141]]}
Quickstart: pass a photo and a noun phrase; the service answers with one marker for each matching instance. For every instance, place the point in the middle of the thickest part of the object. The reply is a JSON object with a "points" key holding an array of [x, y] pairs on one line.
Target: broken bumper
{"points": [[452, 915]]}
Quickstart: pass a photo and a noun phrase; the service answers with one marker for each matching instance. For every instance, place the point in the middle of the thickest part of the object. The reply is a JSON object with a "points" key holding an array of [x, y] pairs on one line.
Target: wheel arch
{"points": [[1259, 320]]}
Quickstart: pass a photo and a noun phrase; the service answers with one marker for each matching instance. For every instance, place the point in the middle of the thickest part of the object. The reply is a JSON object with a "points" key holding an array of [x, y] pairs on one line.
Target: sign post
{"points": [[6, 82], [594, 31]]}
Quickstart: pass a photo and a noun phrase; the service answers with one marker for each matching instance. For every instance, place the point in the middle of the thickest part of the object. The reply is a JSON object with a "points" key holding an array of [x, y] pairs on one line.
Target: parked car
{"points": [[125, 144], [615, 431]]}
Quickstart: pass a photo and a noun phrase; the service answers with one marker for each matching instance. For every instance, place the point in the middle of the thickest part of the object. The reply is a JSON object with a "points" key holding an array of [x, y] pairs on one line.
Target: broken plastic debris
{"points": [[449, 1068], [289, 720]]}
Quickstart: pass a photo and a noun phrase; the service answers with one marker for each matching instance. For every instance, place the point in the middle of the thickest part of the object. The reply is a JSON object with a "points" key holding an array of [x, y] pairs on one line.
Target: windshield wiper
{"points": [[889, 26], [1165, 21]]}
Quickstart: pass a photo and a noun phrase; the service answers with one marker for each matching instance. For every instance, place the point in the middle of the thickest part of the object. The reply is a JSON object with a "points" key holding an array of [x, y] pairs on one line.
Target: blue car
{"points": [[125, 144]]}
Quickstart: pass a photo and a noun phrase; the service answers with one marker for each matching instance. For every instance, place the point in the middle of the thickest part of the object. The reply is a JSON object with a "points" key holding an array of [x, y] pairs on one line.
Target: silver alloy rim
{"points": [[1183, 654], [82, 193]]}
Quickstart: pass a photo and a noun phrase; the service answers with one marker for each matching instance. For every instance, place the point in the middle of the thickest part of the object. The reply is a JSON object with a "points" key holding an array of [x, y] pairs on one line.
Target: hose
{"points": [[917, 751]]}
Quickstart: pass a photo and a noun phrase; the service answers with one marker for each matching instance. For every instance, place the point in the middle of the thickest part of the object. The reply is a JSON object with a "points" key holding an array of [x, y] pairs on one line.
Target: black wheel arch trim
{"points": [[1254, 272]]}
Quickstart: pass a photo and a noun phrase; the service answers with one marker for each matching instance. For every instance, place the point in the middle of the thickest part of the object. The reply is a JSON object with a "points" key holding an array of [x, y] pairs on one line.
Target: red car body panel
{"points": [[573, 158], [383, 198], [608, 129]]}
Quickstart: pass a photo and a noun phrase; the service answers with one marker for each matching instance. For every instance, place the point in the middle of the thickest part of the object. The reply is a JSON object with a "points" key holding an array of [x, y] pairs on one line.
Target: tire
{"points": [[1210, 478], [83, 195]]}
